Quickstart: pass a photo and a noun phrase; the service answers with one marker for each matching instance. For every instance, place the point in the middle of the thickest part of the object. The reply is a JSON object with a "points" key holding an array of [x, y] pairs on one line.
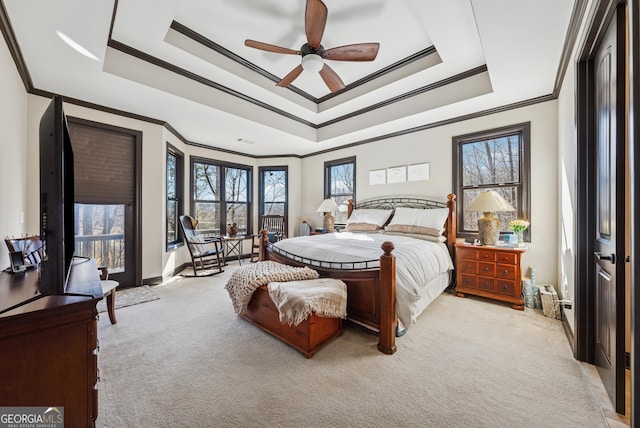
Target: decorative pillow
{"points": [[439, 238], [371, 216], [431, 218], [361, 227], [403, 228]]}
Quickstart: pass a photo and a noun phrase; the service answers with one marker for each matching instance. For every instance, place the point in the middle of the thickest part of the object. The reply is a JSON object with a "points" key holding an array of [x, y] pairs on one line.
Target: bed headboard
{"points": [[411, 202]]}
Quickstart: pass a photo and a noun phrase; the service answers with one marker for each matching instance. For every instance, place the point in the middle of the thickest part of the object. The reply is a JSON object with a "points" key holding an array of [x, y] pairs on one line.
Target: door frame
{"points": [[137, 212], [583, 345], [633, 23]]}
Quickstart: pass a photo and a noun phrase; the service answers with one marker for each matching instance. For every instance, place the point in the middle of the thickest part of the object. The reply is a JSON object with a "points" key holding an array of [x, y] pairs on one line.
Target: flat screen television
{"points": [[56, 199]]}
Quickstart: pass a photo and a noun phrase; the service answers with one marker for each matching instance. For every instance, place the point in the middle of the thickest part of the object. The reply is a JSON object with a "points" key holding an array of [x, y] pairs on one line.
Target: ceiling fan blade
{"points": [[357, 52], [289, 78], [314, 21], [270, 48], [331, 78]]}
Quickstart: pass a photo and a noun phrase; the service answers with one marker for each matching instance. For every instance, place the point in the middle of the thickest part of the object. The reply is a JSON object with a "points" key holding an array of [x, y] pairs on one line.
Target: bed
{"points": [[375, 300]]}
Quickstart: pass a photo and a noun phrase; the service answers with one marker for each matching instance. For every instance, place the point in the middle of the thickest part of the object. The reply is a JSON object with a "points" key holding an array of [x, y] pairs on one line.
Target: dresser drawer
{"points": [[466, 253], [468, 266], [507, 288], [506, 271], [486, 284], [506, 258], [468, 281], [486, 269], [487, 256]]}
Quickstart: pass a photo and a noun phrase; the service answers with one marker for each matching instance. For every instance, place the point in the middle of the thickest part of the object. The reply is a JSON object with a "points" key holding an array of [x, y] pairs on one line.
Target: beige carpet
{"points": [[186, 360]]}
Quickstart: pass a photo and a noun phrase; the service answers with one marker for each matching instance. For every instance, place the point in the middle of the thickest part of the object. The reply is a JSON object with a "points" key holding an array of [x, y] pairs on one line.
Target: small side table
{"points": [[233, 246]]}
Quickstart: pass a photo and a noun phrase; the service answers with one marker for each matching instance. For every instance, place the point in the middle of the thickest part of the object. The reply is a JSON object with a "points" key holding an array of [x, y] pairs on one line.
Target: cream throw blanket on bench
{"points": [[296, 300], [246, 279]]}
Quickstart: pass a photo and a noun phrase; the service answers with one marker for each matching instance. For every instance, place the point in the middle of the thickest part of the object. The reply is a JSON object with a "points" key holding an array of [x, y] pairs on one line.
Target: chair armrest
{"points": [[104, 272]]}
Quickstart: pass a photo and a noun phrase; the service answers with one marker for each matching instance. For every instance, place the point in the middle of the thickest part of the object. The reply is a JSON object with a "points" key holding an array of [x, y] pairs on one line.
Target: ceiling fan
{"points": [[314, 54]]}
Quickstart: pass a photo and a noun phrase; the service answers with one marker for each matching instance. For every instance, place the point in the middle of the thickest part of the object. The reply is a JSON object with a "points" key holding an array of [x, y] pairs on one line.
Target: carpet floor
{"points": [[186, 360]]}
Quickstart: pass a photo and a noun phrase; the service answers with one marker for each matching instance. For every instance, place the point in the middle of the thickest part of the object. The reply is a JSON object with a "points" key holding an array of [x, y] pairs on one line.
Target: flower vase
{"points": [[232, 230], [520, 236]]}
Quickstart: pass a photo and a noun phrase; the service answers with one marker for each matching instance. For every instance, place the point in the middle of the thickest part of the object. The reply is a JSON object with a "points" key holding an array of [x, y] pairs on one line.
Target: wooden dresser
{"points": [[492, 272], [48, 346]]}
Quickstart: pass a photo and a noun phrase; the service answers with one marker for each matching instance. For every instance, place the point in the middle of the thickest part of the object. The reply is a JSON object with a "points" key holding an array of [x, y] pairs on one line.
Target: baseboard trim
{"points": [[156, 280], [567, 331]]}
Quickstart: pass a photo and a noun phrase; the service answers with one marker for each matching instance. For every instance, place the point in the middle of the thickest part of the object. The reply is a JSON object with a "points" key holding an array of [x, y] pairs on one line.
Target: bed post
{"points": [[387, 303], [264, 241], [452, 223], [349, 207]]}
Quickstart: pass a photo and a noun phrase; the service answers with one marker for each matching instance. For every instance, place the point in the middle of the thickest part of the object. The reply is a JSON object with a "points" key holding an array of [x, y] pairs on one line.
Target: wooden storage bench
{"points": [[307, 337]]}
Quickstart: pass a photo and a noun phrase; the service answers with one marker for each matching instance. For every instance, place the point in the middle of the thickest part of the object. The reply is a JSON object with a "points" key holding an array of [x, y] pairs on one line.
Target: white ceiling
{"points": [[477, 55]]}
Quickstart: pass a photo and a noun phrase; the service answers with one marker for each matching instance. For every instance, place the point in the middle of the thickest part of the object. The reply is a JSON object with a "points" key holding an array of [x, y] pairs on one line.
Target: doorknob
{"points": [[599, 256]]}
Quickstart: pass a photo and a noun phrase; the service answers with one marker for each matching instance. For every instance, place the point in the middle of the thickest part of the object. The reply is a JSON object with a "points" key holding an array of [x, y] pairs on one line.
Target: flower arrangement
{"points": [[518, 226]]}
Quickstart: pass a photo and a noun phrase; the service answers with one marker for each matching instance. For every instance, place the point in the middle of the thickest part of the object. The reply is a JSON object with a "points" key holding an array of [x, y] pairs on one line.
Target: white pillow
{"points": [[369, 215], [434, 218]]}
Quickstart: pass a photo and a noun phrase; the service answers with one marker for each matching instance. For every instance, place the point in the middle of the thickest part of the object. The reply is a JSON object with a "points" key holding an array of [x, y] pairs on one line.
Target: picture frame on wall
{"points": [[377, 176], [397, 174], [418, 172]]}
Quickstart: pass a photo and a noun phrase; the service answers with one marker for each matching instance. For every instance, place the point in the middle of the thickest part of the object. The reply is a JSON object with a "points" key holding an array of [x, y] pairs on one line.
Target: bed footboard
{"points": [[371, 292]]}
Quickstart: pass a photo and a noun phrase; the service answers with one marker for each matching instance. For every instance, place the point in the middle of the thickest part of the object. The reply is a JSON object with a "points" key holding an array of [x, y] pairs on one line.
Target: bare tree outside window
{"points": [[274, 192], [221, 196], [100, 235], [492, 160], [237, 198], [206, 197], [340, 178], [174, 195]]}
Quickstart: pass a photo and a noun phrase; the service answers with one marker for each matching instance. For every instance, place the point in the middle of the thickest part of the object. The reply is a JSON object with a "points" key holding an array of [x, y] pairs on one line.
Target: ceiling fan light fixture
{"points": [[312, 62]]}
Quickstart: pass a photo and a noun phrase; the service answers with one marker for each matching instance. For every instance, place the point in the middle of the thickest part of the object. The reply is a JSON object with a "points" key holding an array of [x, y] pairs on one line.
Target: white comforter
{"points": [[417, 261]]}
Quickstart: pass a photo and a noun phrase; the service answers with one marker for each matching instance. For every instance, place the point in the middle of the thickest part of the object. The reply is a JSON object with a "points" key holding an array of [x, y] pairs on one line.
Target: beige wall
{"points": [[13, 171], [435, 146]]}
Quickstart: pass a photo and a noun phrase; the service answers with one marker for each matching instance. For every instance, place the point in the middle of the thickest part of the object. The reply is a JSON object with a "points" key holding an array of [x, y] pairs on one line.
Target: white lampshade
{"points": [[312, 62], [327, 206], [490, 201]]}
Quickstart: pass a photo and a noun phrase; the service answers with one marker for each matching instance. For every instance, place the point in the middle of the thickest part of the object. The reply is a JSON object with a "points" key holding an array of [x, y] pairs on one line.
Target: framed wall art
{"points": [[418, 172], [397, 174], [377, 176]]}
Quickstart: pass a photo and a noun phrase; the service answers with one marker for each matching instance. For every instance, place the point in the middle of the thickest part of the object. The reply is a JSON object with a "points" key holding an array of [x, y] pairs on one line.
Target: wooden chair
{"points": [[276, 230], [206, 252]]}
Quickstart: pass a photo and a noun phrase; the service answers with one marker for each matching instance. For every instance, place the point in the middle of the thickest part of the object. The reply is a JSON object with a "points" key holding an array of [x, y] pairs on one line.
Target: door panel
{"points": [[609, 214]]}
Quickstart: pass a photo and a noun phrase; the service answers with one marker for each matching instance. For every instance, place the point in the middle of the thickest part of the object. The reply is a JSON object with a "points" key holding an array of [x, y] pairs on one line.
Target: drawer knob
{"points": [[485, 285], [505, 287], [486, 269], [505, 271], [468, 281]]}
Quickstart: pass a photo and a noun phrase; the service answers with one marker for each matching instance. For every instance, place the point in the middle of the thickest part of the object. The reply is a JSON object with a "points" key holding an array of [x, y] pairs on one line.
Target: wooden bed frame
{"points": [[372, 291]]}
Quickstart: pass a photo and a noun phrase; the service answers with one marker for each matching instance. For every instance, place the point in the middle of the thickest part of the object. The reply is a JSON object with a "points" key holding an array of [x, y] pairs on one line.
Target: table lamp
{"points": [[489, 225], [328, 207]]}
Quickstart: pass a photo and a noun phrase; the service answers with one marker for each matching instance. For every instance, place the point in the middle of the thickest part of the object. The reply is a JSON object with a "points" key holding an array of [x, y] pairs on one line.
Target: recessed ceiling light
{"points": [[242, 140], [76, 46]]}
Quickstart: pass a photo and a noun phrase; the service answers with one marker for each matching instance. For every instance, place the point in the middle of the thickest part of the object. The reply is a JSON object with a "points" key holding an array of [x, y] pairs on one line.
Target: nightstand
{"points": [[492, 272]]}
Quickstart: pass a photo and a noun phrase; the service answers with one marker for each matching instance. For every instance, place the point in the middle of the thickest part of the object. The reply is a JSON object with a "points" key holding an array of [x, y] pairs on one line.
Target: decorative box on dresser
{"points": [[492, 272], [49, 346]]}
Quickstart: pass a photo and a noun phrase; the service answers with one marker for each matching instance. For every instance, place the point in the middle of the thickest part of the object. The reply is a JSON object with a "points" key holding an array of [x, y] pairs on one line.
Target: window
{"points": [[175, 167], [498, 160], [273, 191], [220, 196], [340, 184]]}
